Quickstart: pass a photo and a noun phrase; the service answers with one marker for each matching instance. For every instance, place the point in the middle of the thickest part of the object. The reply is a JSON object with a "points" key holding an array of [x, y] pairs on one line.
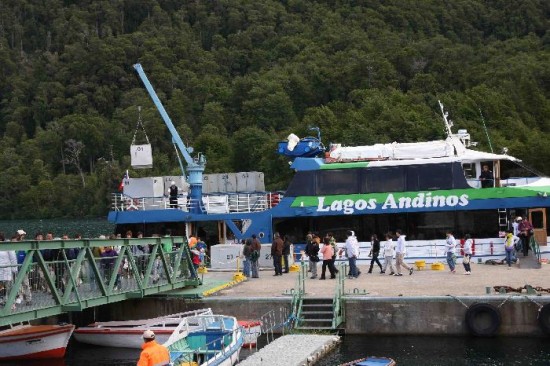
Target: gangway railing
{"points": [[56, 276]]}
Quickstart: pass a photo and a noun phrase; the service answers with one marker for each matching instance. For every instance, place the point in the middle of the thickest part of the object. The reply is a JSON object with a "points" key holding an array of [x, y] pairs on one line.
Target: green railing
{"points": [[338, 312], [298, 294], [535, 248], [53, 277]]}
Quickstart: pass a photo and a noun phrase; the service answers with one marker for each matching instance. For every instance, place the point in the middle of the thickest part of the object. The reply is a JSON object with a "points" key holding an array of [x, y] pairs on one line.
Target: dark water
{"points": [[89, 228], [406, 351]]}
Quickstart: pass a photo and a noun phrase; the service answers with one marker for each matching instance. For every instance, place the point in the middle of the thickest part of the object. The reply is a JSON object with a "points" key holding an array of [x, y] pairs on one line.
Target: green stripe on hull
{"points": [[473, 194], [359, 164]]}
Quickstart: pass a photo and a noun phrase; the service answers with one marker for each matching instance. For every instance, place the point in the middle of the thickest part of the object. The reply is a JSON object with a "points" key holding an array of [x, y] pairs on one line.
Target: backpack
{"points": [[254, 255]]}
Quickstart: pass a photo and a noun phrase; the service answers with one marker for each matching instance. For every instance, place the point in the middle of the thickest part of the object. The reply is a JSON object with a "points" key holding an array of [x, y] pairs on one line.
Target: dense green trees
{"points": [[236, 76]]}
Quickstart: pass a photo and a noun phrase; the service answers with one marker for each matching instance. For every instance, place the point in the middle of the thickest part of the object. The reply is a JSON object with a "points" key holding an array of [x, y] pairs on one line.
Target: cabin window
{"points": [[510, 169], [537, 219], [470, 171], [338, 181], [435, 176], [303, 184], [391, 179]]}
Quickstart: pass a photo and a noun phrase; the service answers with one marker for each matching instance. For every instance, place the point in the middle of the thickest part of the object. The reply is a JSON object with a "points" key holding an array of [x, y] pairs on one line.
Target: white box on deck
{"points": [[210, 183], [227, 182], [255, 182], [144, 187]]}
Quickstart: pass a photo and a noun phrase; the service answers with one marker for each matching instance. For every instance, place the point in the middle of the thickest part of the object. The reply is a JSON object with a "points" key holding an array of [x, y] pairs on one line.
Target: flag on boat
{"points": [[121, 185]]}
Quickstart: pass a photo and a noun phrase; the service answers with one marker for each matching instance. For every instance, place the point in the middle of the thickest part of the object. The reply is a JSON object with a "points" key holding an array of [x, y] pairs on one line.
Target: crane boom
{"points": [[195, 167]]}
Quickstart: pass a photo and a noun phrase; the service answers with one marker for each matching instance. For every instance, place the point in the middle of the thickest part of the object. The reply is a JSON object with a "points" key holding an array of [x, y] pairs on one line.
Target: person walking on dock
{"points": [[327, 252], [352, 251], [450, 245], [468, 251], [375, 251], [312, 251], [400, 250], [277, 254], [255, 256], [389, 252]]}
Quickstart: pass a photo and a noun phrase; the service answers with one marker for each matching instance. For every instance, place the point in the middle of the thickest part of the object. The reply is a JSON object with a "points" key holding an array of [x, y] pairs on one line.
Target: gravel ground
{"points": [[421, 283]]}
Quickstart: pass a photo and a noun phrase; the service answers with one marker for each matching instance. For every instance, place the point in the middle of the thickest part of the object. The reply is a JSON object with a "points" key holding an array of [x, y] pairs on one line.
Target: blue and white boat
{"points": [[213, 340], [423, 188]]}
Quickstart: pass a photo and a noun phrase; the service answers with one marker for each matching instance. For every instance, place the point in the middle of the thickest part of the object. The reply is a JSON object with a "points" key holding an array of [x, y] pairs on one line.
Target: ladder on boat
{"points": [[503, 220]]}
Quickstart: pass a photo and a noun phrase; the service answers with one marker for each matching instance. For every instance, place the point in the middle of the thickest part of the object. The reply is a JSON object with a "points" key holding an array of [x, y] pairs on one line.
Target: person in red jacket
{"points": [[153, 354]]}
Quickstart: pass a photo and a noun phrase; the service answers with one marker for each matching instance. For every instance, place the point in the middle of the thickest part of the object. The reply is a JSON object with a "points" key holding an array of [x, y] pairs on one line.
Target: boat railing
{"points": [[212, 203], [275, 320], [510, 182]]}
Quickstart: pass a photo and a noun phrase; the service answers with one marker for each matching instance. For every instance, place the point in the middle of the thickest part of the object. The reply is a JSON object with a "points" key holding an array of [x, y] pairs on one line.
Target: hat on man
{"points": [[519, 218], [148, 334], [21, 232], [173, 183]]}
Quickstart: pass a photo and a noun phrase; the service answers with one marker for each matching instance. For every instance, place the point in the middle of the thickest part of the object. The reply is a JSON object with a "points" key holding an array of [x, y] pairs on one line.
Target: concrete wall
{"points": [[363, 315], [438, 315]]}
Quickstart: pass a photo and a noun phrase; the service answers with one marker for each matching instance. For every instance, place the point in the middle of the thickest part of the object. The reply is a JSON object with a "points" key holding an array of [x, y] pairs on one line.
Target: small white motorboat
{"points": [[127, 334], [34, 341], [206, 340]]}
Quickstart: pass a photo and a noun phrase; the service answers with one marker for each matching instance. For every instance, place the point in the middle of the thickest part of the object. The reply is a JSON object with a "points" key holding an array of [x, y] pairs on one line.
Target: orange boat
{"points": [[34, 341]]}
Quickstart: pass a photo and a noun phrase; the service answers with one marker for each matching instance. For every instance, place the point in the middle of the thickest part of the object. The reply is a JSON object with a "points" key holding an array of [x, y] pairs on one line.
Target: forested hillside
{"points": [[236, 76]]}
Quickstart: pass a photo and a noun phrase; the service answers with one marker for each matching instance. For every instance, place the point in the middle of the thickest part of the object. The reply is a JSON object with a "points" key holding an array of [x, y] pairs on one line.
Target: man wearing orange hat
{"points": [[153, 354]]}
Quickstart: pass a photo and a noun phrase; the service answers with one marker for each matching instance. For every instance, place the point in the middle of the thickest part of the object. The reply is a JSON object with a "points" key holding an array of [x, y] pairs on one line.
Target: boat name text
{"points": [[422, 200]]}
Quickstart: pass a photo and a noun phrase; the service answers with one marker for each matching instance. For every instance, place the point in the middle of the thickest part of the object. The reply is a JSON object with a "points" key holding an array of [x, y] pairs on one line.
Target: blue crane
{"points": [[195, 166]]}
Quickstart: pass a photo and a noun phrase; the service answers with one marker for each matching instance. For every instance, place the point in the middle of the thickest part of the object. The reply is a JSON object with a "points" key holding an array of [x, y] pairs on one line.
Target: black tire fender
{"points": [[544, 318], [483, 320]]}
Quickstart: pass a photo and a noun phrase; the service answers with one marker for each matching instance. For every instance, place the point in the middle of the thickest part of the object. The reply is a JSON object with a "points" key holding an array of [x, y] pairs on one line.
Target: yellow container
{"points": [[438, 266], [420, 265]]}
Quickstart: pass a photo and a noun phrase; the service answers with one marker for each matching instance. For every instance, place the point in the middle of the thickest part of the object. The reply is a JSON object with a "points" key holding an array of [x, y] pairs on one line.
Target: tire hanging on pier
{"points": [[544, 318], [483, 320]]}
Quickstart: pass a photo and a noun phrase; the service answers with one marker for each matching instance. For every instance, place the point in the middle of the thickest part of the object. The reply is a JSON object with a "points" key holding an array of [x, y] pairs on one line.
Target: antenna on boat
{"points": [[485, 129], [448, 122]]}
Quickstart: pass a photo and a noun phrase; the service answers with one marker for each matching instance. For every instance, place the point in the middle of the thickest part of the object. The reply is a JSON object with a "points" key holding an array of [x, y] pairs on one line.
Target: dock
{"points": [[293, 350]]}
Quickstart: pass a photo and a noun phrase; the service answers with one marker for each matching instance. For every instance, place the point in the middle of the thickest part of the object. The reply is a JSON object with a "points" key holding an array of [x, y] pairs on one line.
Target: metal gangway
{"points": [[50, 277]]}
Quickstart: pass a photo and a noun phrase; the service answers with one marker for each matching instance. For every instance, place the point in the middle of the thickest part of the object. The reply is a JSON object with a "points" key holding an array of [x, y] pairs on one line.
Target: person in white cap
{"points": [[153, 354], [21, 233], [173, 194]]}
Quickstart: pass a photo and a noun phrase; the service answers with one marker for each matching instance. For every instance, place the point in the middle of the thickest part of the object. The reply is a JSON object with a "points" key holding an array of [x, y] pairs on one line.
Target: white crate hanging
{"points": [[141, 154]]}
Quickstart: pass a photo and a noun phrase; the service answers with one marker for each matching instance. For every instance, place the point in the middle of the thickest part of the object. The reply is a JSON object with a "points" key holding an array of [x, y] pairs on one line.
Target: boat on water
{"points": [[252, 330], [127, 334], [371, 361], [34, 341], [206, 340], [423, 188]]}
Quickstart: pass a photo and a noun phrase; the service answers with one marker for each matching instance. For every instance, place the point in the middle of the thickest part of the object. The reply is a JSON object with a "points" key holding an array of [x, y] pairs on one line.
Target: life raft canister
{"points": [[462, 241], [483, 320], [544, 318]]}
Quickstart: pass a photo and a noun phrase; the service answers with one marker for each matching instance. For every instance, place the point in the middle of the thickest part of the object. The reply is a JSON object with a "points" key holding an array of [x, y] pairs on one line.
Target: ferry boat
{"points": [[422, 188]]}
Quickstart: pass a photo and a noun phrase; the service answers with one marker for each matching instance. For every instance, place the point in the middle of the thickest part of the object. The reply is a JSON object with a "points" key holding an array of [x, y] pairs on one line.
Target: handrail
{"points": [[535, 248], [338, 312], [299, 292]]}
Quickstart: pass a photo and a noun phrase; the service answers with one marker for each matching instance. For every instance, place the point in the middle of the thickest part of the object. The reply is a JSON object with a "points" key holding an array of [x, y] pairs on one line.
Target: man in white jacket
{"points": [[400, 254], [352, 251]]}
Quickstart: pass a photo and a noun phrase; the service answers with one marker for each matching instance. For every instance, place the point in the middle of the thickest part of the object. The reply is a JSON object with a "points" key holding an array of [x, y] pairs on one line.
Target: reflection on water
{"points": [[448, 351], [406, 351]]}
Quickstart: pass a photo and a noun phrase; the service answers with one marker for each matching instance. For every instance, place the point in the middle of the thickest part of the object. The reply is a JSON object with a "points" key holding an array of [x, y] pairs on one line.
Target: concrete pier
{"points": [[293, 350]]}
